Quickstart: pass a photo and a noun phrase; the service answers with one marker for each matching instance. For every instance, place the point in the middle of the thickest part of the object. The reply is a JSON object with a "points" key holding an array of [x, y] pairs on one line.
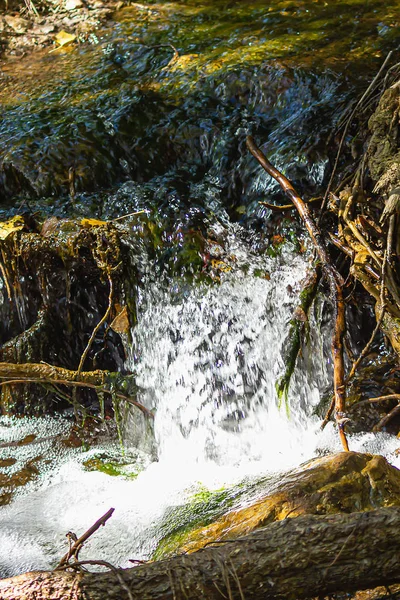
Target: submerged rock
{"points": [[342, 483]]}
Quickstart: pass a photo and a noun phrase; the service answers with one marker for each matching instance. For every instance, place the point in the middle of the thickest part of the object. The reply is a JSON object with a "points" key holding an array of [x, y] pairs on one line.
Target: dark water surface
{"points": [[161, 100]]}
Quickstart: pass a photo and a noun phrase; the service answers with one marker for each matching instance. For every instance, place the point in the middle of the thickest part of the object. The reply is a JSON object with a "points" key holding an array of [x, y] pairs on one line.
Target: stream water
{"points": [[145, 133], [207, 359]]}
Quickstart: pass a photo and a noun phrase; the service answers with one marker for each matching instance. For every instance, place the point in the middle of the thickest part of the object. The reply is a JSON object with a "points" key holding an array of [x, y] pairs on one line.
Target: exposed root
{"points": [[335, 282]]}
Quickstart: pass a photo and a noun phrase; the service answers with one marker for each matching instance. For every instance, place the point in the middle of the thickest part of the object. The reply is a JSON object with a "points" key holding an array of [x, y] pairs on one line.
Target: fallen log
{"points": [[110, 382], [298, 558]]}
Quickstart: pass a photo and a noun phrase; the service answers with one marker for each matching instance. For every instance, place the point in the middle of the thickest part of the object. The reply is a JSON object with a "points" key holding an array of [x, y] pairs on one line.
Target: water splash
{"points": [[207, 358]]}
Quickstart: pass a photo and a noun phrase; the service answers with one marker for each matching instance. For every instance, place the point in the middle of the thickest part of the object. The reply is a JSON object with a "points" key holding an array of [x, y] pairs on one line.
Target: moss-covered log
{"points": [[296, 558], [122, 386]]}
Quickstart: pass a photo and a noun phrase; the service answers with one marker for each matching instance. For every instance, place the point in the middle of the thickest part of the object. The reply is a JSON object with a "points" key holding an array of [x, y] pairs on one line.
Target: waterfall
{"points": [[207, 357]]}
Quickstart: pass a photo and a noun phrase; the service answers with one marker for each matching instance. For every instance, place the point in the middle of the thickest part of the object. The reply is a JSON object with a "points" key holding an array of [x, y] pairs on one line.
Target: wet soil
{"points": [[24, 30]]}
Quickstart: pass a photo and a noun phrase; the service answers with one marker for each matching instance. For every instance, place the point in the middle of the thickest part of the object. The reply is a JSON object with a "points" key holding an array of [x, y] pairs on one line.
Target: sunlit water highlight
{"points": [[207, 359]]}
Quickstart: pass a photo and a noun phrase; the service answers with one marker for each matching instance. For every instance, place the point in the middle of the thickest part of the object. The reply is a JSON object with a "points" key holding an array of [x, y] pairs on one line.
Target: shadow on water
{"points": [[165, 96]]}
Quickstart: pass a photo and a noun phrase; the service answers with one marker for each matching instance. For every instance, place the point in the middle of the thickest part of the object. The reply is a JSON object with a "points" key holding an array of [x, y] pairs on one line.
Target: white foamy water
{"points": [[207, 359]]}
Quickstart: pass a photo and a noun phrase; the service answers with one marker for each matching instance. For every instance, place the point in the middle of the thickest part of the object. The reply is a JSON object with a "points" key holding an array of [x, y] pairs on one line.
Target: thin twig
{"points": [[96, 329], [367, 347], [348, 122], [385, 420], [139, 212], [236, 578], [378, 399], [284, 207], [351, 253], [344, 545], [335, 284], [78, 384], [328, 413], [75, 548]]}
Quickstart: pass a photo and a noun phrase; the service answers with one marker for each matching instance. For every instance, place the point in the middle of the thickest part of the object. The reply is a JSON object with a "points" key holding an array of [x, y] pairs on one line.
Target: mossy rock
{"points": [[111, 467], [344, 482]]}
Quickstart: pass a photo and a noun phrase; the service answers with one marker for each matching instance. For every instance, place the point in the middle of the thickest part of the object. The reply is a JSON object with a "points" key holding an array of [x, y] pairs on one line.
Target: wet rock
{"points": [[343, 483], [73, 4]]}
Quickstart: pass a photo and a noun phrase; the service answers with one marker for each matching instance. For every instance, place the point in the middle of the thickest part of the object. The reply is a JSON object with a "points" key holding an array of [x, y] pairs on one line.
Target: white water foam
{"points": [[207, 359]]}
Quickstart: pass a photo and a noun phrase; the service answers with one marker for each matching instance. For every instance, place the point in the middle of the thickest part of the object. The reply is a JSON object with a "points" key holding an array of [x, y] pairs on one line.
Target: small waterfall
{"points": [[207, 358]]}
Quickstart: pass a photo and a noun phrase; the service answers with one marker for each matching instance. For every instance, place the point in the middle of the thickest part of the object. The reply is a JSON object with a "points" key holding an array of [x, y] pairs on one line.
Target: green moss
{"points": [[201, 509], [112, 468], [292, 343]]}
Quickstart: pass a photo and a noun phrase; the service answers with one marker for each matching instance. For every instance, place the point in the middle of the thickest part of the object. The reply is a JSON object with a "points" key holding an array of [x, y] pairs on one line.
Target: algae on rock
{"points": [[342, 483]]}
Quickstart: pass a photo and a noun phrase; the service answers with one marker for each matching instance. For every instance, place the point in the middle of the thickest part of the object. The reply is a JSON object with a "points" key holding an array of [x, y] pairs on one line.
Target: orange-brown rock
{"points": [[342, 483]]}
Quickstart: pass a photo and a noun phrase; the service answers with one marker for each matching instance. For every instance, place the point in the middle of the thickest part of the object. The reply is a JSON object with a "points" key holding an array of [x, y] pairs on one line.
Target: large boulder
{"points": [[342, 483]]}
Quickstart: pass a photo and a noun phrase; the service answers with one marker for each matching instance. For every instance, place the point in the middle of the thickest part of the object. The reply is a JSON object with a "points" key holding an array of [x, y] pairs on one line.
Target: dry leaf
{"points": [[63, 38], [92, 223], [15, 224], [361, 257], [121, 322]]}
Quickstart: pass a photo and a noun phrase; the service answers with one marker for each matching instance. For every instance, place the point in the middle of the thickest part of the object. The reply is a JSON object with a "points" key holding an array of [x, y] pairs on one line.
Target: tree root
{"points": [[335, 282]]}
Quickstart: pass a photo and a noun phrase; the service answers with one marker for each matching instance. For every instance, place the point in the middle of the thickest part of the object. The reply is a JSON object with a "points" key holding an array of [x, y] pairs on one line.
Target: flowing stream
{"points": [[207, 359], [145, 133]]}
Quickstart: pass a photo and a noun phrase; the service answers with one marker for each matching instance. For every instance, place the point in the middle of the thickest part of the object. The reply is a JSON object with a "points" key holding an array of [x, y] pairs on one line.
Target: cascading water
{"points": [[207, 358]]}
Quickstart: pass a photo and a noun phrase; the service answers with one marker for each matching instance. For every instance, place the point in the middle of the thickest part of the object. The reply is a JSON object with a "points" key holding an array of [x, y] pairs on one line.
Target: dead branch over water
{"points": [[78, 543], [334, 279], [99, 380]]}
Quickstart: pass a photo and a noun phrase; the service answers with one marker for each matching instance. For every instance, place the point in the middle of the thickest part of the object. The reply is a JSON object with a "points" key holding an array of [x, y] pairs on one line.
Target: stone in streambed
{"points": [[342, 483]]}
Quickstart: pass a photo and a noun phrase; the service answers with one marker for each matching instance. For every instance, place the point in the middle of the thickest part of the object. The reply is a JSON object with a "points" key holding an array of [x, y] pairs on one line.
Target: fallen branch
{"points": [[319, 558], [335, 284], [77, 545], [99, 380]]}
